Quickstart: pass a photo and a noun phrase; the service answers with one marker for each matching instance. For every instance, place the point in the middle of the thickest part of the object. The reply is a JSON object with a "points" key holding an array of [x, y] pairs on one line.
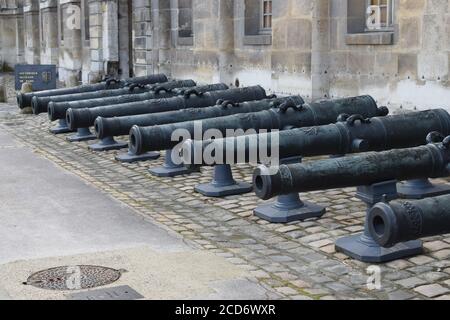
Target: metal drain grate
{"points": [[74, 277]]}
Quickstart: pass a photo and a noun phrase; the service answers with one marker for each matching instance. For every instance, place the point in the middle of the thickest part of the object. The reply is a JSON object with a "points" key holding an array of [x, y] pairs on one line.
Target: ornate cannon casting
{"points": [[40, 104], [24, 99], [355, 134], [287, 115], [107, 128], [400, 221], [375, 173], [58, 111], [84, 118], [351, 135]]}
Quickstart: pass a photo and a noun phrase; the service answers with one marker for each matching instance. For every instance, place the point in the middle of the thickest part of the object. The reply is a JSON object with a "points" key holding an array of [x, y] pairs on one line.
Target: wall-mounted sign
{"points": [[41, 77]]}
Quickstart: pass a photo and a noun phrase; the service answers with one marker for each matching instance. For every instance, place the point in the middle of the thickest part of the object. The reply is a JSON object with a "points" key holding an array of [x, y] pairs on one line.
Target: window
{"points": [[185, 19], [258, 22], [370, 22], [266, 16], [61, 20], [87, 35], [379, 15]]}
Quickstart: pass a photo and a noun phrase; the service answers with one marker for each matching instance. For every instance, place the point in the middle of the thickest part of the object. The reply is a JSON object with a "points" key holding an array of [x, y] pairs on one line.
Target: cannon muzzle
{"points": [[401, 221], [430, 161], [383, 225], [265, 182], [20, 97], [136, 141], [36, 106], [78, 118]]}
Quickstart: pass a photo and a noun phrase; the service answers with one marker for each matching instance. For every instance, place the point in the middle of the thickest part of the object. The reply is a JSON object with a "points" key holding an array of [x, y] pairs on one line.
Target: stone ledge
{"points": [[370, 38], [185, 41], [258, 40]]}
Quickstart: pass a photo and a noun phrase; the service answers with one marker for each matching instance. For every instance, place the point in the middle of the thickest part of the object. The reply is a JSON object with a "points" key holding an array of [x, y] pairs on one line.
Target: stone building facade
{"points": [[396, 50]]}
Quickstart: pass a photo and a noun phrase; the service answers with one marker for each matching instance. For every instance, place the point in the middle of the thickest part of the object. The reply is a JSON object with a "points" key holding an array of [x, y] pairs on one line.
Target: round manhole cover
{"points": [[73, 277]]}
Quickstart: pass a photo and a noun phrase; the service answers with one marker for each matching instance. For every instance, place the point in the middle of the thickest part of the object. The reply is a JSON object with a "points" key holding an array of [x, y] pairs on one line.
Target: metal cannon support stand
{"points": [[421, 188], [107, 144], [83, 134], [289, 208], [223, 184], [170, 169], [62, 127], [363, 247], [130, 157]]}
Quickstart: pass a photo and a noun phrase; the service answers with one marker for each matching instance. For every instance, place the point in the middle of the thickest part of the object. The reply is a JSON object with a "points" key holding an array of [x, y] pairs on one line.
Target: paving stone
{"points": [[411, 282], [421, 260], [399, 264], [432, 290], [286, 291], [434, 276], [436, 245], [400, 295], [303, 250], [443, 254], [321, 243]]}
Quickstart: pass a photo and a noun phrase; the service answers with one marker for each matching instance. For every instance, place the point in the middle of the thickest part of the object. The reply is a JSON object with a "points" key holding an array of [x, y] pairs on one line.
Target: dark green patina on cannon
{"points": [[288, 115], [428, 161], [41, 104], [24, 99], [402, 220], [58, 111], [106, 128], [375, 175], [84, 118], [355, 134]]}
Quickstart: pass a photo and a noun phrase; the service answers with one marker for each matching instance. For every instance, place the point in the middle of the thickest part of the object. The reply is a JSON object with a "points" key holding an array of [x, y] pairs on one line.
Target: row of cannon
{"points": [[367, 148]]}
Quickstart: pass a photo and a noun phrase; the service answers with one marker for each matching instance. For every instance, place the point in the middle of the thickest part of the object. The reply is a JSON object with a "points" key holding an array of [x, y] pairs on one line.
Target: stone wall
{"points": [[412, 71], [142, 37], [49, 32], [316, 48]]}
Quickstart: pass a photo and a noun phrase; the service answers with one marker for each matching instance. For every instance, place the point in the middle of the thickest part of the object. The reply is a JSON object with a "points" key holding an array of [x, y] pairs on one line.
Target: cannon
{"points": [[287, 115], [24, 99], [376, 174], [82, 119], [402, 221], [428, 161], [57, 111], [107, 128], [352, 135], [40, 104]]}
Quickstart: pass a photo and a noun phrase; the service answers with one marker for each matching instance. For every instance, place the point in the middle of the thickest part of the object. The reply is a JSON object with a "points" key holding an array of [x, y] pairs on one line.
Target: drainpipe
{"points": [[161, 33], [226, 40], [320, 49]]}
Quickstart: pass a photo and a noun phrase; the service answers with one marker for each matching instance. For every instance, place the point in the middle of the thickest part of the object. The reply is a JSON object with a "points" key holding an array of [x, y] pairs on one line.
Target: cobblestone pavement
{"points": [[297, 260]]}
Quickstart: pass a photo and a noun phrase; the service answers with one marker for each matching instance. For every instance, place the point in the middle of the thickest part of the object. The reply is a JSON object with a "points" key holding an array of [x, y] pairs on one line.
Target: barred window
{"points": [[266, 15], [380, 15], [87, 33], [185, 22]]}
